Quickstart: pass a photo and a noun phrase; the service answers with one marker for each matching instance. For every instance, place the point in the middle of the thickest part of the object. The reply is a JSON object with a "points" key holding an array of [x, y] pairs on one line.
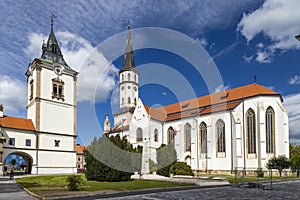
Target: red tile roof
{"points": [[16, 123], [80, 149], [217, 102]]}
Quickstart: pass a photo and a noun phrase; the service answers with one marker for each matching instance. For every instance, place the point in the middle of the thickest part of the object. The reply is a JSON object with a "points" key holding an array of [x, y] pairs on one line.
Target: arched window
{"points": [[270, 131], [251, 131], [155, 135], [187, 137], [220, 127], [135, 77], [134, 101], [170, 135], [128, 77], [203, 137], [60, 90], [54, 89], [129, 100], [122, 101], [139, 135], [122, 77]]}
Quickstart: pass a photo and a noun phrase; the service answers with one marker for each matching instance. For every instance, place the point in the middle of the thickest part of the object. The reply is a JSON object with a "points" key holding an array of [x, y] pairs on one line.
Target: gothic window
{"points": [[31, 90], [139, 135], [203, 137], [128, 76], [270, 131], [129, 100], [220, 126], [57, 89], [155, 135], [170, 135], [251, 131], [187, 137]]}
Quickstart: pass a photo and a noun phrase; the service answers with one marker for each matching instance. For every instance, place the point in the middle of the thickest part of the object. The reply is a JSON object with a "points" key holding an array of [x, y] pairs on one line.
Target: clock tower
{"points": [[51, 104]]}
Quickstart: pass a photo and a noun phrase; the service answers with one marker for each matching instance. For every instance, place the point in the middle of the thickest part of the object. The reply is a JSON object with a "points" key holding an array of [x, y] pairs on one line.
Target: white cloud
{"points": [[276, 19], [164, 93], [292, 106], [221, 88], [260, 45], [13, 95], [96, 73], [294, 80], [248, 58], [202, 41], [263, 57]]}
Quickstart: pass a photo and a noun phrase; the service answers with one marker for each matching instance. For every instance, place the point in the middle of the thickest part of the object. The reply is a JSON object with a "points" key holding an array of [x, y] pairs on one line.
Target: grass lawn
{"points": [[56, 184], [231, 178]]}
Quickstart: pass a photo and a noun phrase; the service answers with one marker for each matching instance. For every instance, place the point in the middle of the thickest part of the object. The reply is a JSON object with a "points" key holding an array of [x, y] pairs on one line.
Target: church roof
{"points": [[128, 64], [217, 102], [16, 123], [51, 50]]}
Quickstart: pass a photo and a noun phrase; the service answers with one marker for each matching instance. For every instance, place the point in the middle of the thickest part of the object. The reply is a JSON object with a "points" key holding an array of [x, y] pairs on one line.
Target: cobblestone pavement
{"points": [[9, 190], [283, 190]]}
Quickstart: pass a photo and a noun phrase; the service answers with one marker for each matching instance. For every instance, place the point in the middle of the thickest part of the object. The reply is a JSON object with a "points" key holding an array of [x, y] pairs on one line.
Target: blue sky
{"points": [[243, 38]]}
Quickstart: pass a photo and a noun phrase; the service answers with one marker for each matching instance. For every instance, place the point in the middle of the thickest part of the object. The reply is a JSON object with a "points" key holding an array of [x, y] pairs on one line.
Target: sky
{"points": [[235, 39]]}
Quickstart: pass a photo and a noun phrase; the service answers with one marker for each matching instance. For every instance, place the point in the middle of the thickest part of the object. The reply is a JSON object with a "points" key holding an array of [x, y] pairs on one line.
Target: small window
{"points": [[135, 78], [129, 100], [155, 135], [78, 166], [122, 101], [54, 89], [28, 143], [128, 77], [11, 141], [60, 90], [78, 159], [122, 77], [56, 143], [31, 89]]}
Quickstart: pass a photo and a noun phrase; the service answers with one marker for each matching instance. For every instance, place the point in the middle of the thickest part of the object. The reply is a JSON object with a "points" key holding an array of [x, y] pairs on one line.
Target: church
{"points": [[46, 139], [238, 129]]}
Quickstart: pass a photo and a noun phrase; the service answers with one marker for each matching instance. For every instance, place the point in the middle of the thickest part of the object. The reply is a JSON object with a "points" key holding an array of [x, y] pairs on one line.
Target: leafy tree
{"points": [[112, 159], [295, 157], [280, 163], [166, 158]]}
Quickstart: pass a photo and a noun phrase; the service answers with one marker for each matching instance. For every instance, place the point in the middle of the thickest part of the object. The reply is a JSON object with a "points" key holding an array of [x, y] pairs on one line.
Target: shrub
{"points": [[152, 166], [74, 182], [260, 173], [181, 168]]}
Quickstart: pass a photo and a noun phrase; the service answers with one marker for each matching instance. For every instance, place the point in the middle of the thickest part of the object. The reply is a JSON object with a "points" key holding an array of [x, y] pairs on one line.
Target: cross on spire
{"points": [[52, 17]]}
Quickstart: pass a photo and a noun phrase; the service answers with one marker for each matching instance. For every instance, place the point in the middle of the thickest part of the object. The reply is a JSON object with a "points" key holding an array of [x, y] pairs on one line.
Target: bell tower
{"points": [[129, 77], [51, 105]]}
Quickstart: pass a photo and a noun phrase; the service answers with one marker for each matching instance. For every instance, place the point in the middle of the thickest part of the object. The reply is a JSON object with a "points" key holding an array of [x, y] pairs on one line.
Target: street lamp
{"points": [[297, 37]]}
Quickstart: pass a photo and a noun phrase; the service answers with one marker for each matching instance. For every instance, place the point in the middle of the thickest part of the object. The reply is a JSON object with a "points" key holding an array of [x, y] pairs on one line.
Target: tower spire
{"points": [[51, 49], [128, 64]]}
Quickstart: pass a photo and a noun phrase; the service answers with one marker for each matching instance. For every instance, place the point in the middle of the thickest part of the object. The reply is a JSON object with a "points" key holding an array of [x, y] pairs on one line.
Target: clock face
{"points": [[58, 70]]}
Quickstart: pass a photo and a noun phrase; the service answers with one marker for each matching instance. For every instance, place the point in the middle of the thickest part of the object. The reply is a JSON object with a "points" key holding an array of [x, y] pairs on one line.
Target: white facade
{"points": [[240, 129], [51, 110]]}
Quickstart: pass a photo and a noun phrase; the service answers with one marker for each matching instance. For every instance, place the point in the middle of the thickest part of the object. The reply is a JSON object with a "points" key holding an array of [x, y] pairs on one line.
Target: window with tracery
{"points": [[270, 131], [251, 131]]}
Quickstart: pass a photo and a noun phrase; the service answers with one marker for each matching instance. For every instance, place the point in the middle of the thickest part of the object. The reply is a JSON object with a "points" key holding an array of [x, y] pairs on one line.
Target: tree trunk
{"points": [[298, 173], [280, 174]]}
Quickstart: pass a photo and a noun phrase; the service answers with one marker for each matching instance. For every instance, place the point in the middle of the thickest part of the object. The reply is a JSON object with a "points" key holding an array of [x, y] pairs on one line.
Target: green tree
{"points": [[280, 163], [111, 151], [166, 159], [295, 158]]}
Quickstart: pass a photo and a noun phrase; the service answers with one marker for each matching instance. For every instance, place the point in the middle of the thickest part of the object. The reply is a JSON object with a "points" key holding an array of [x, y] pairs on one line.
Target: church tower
{"points": [[129, 77], [51, 105]]}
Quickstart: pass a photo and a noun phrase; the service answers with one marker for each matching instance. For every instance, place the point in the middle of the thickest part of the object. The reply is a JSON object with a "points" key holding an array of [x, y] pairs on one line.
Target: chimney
{"points": [[1, 110]]}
